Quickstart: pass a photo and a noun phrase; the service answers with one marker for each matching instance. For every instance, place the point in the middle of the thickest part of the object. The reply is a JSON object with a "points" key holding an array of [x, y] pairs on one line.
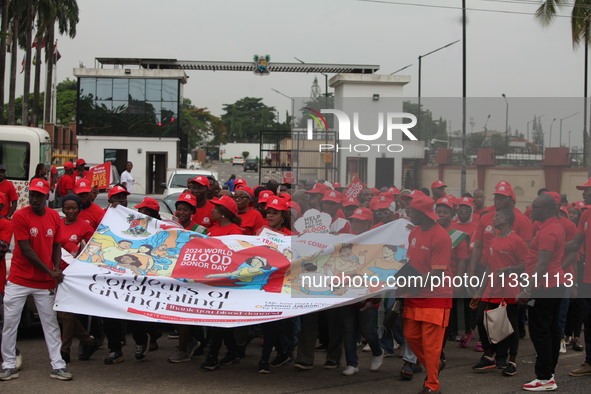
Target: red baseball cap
{"points": [[381, 201], [555, 196], [580, 205], [39, 185], [563, 209], [287, 196], [425, 205], [503, 183], [83, 186], [362, 214], [466, 201], [394, 191], [319, 188], [437, 184], [68, 165], [188, 198], [348, 201], [202, 180], [227, 202], [80, 162], [246, 189], [336, 185], [265, 195], [585, 185], [116, 190], [374, 190], [332, 195], [149, 202], [277, 203], [504, 190], [239, 181], [295, 205], [445, 201], [414, 193]]}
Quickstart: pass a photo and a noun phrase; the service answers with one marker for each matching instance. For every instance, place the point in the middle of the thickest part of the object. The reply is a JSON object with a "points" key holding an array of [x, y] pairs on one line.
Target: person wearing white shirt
{"points": [[126, 177]]}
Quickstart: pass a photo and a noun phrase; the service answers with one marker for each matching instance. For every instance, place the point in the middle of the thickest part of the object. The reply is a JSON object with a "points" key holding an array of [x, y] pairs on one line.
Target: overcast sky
{"points": [[506, 53]]}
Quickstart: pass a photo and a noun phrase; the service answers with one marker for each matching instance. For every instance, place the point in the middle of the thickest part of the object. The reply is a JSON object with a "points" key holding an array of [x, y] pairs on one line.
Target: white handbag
{"points": [[497, 324]]}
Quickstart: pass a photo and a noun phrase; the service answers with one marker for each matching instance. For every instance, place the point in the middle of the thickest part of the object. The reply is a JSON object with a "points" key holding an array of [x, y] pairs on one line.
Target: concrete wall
{"points": [[227, 151], [92, 149], [525, 181]]}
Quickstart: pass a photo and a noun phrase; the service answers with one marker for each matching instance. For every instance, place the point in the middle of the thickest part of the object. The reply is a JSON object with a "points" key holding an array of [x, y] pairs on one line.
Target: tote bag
{"points": [[497, 324]]}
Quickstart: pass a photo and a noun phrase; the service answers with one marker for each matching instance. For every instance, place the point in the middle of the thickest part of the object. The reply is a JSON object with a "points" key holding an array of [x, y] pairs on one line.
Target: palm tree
{"points": [[26, 38], [66, 15], [580, 34], [4, 32]]}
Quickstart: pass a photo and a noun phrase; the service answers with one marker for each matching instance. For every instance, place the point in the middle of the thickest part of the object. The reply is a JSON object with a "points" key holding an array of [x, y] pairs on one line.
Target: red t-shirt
{"points": [[5, 235], [66, 182], [73, 234], [252, 221], [42, 231], [203, 215], [550, 237], [217, 231], [92, 215], [585, 229], [430, 250], [8, 188], [468, 228], [485, 230], [570, 231], [504, 252]]}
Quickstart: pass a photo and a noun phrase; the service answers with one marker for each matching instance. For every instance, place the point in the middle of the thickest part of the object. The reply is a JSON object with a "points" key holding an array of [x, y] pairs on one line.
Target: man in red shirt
{"points": [[67, 182], [425, 317], [7, 188], [438, 189], [34, 270], [200, 187], [90, 212], [543, 266], [583, 237], [479, 197]]}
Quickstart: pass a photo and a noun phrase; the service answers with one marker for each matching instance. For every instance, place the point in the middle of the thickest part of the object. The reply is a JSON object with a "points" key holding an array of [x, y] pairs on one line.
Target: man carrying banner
{"points": [[425, 317], [34, 270]]}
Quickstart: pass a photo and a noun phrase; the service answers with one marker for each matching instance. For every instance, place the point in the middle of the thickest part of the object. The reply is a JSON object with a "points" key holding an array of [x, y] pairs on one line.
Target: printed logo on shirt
{"points": [[74, 238], [423, 247], [34, 231], [488, 229], [87, 221], [413, 242], [49, 233], [206, 220]]}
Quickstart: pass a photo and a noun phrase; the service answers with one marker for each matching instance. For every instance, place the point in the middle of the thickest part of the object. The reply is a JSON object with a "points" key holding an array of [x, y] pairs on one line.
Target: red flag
{"points": [[23, 64], [42, 42]]}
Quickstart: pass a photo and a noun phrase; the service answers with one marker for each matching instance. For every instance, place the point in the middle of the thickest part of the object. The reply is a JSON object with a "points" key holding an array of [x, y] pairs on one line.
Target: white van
{"points": [[179, 177]]}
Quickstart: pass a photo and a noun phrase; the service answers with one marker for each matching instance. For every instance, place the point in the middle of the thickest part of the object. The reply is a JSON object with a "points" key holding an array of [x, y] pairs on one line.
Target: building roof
{"points": [[238, 66]]}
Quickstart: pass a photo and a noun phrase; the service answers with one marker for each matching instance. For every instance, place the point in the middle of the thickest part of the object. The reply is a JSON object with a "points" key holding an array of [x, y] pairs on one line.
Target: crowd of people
{"points": [[449, 235]]}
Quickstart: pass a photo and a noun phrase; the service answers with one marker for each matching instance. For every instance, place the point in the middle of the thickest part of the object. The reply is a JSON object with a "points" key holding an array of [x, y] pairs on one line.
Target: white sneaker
{"points": [[562, 346], [350, 371], [366, 348], [540, 385], [376, 362]]}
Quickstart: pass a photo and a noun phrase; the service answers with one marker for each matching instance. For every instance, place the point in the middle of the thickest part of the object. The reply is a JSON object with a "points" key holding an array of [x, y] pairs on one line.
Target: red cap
{"points": [[362, 214], [68, 165], [555, 196], [425, 205], [585, 185], [80, 162], [381, 201], [116, 190], [295, 205], [445, 201], [414, 193], [580, 205], [332, 195], [39, 185], [149, 202], [437, 184], [287, 196], [394, 191], [336, 185], [504, 189], [503, 183], [189, 198], [466, 201], [277, 203], [246, 189], [202, 180], [239, 181], [350, 201], [265, 195], [83, 186], [53, 170], [227, 202], [319, 188], [374, 191], [563, 209]]}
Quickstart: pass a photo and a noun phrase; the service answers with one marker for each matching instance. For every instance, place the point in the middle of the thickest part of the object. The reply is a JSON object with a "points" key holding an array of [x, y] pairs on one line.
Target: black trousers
{"points": [[585, 291], [509, 345], [544, 329]]}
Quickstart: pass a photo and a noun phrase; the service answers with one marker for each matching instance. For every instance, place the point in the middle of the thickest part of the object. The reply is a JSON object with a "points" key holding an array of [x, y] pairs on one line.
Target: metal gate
{"points": [[289, 156]]}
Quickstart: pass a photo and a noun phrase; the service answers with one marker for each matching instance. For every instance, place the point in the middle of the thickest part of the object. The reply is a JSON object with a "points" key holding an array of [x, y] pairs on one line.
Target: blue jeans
{"points": [[562, 315], [355, 322]]}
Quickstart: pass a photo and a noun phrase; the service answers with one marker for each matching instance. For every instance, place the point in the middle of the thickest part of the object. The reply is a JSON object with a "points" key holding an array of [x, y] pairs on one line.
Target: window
{"points": [[15, 156], [357, 166]]}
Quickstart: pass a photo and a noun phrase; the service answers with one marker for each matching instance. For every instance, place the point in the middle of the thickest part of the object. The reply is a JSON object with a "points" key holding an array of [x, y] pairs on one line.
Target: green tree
{"points": [[66, 92], [474, 141], [201, 126], [427, 128], [499, 144], [245, 119]]}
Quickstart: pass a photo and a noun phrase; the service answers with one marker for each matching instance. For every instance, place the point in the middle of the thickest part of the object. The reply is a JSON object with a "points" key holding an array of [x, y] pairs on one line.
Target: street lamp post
{"points": [[570, 131], [561, 119], [420, 66], [400, 69], [292, 105], [506, 120], [550, 135]]}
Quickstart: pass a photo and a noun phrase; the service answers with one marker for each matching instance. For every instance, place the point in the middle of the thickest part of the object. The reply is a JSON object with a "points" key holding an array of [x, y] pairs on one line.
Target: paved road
{"points": [[156, 375], [226, 169]]}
